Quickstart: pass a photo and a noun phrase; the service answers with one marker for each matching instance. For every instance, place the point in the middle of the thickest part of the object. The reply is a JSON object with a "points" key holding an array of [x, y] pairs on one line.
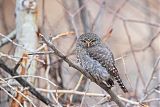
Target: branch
{"points": [[24, 83], [133, 53], [11, 36], [102, 85], [84, 16]]}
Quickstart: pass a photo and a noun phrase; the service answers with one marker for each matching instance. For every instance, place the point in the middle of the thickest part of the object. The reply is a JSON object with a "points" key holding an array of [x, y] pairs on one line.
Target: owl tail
{"points": [[115, 74]]}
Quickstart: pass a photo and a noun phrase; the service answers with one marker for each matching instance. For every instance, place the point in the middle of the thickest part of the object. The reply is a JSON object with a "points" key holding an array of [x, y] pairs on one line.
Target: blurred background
{"points": [[130, 28]]}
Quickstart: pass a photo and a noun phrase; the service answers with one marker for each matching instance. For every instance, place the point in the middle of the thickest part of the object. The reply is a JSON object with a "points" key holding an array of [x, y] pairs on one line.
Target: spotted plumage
{"points": [[97, 60]]}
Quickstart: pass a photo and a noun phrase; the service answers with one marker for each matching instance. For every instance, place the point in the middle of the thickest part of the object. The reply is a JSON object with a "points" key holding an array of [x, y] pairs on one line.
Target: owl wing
{"points": [[105, 57], [93, 68]]}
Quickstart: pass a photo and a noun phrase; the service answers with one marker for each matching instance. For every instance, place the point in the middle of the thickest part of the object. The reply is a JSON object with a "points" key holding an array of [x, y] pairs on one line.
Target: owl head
{"points": [[88, 40]]}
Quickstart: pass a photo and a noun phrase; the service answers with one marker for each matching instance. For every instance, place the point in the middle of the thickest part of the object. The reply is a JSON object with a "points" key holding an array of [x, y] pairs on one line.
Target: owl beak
{"points": [[88, 44]]}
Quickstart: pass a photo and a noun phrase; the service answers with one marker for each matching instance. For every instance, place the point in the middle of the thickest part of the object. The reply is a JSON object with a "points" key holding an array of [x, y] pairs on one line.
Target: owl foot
{"points": [[110, 83]]}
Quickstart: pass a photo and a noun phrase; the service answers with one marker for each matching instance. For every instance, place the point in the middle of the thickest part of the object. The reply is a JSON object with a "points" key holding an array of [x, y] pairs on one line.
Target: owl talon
{"points": [[110, 83]]}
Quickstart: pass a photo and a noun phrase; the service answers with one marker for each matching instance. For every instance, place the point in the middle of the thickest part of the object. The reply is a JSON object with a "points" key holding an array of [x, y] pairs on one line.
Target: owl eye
{"points": [[83, 41], [93, 40]]}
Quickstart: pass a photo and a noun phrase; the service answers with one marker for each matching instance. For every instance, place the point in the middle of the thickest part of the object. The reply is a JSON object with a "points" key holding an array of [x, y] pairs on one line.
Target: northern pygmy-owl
{"points": [[97, 60]]}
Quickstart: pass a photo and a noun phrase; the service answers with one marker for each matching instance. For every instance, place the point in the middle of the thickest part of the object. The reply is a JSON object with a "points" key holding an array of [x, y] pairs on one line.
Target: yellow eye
{"points": [[93, 40], [83, 41]]}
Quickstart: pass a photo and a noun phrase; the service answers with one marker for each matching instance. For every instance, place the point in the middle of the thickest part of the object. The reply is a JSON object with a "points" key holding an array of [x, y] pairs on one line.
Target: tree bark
{"points": [[26, 31]]}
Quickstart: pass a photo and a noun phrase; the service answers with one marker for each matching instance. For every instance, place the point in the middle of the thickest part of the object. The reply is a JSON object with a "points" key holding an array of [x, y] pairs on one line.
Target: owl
{"points": [[97, 60]]}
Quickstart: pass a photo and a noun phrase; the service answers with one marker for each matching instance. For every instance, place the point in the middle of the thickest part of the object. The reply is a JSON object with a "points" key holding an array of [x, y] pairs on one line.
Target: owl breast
{"points": [[102, 54]]}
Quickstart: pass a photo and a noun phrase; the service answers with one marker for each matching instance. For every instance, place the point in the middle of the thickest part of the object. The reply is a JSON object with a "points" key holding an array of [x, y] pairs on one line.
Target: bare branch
{"points": [[84, 16], [11, 96], [133, 53], [19, 92], [153, 72], [11, 36], [24, 83]]}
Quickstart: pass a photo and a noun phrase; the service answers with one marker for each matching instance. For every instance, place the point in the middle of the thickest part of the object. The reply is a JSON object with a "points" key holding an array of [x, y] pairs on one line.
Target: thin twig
{"points": [[85, 94], [150, 43], [119, 16], [18, 92], [84, 16], [14, 43], [125, 72], [76, 87], [47, 76], [11, 36], [153, 72], [11, 96], [33, 76], [102, 4], [18, 64], [72, 92], [132, 50], [24, 83]]}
